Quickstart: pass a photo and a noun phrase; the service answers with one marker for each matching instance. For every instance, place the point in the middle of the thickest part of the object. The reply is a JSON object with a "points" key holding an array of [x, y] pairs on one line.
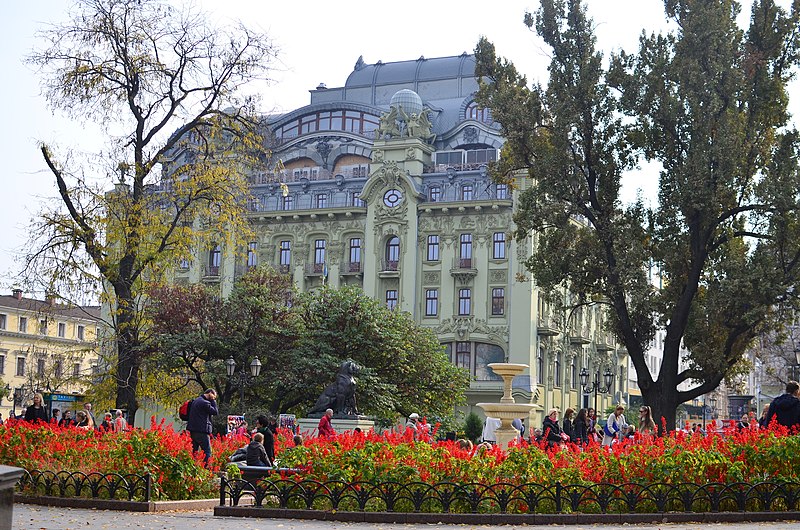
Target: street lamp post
{"points": [[19, 394], [597, 386], [242, 377], [795, 368]]}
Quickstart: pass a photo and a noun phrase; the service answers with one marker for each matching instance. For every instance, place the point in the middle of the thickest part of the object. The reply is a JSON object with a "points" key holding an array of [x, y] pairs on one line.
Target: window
{"points": [[464, 301], [465, 251], [464, 355], [485, 354], [501, 191], [76, 370], [285, 255], [287, 203], [3, 319], [357, 201], [355, 251], [62, 330], [20, 367], [214, 260], [319, 253], [40, 367], [467, 192], [435, 193], [450, 158], [80, 332], [23, 324], [540, 367], [474, 112], [2, 364], [43, 326], [573, 373], [481, 156], [499, 245], [392, 253], [58, 369], [252, 254], [322, 200], [433, 248], [557, 369], [183, 264], [498, 301], [391, 298], [431, 302]]}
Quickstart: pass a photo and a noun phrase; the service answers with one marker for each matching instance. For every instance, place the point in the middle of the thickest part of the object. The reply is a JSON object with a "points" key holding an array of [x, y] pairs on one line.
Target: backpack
{"points": [[183, 410]]}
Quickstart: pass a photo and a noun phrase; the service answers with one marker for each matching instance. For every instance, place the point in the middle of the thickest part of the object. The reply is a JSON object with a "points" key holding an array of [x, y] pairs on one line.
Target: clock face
{"points": [[392, 198]]}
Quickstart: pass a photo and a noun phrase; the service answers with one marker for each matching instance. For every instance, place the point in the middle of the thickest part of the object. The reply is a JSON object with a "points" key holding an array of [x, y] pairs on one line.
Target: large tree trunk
{"points": [[128, 355], [662, 399]]}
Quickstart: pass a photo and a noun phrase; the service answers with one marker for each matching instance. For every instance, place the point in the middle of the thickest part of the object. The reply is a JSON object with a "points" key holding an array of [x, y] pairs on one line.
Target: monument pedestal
{"points": [[308, 426], [8, 481]]}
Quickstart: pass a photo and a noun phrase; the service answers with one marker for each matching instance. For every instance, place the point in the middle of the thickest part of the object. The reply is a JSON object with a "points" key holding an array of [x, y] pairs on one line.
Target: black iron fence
{"points": [[513, 499], [111, 486]]}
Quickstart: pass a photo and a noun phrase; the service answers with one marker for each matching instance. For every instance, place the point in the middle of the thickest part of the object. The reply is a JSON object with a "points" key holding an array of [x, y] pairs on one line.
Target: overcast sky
{"points": [[319, 42]]}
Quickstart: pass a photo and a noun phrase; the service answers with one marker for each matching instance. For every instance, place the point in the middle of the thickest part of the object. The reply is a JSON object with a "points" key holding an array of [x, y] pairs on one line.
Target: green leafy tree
{"points": [[473, 427], [162, 83], [301, 341], [707, 101], [404, 368]]}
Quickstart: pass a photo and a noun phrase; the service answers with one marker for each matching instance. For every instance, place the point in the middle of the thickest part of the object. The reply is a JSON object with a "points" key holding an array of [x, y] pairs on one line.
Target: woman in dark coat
{"points": [[581, 427], [36, 412], [551, 429], [568, 427]]}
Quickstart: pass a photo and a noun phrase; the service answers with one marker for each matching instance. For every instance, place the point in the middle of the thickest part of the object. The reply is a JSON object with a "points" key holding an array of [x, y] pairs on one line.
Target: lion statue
{"points": [[341, 394]]}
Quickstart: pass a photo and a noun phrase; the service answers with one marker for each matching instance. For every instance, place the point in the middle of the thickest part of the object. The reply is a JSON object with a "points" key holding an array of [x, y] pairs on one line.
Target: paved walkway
{"points": [[28, 516]]}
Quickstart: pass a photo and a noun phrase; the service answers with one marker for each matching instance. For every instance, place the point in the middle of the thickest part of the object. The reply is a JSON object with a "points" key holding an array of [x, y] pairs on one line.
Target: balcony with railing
{"points": [[351, 268], [547, 326], [315, 269], [389, 268], [580, 334], [211, 273], [463, 270], [604, 341]]}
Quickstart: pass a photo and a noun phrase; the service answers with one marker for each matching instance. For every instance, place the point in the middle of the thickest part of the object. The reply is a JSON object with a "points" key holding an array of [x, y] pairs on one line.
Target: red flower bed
{"points": [[165, 454]]}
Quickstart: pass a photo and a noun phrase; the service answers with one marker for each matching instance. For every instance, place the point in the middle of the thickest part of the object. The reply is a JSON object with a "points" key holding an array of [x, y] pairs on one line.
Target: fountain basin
{"points": [[507, 369], [507, 411]]}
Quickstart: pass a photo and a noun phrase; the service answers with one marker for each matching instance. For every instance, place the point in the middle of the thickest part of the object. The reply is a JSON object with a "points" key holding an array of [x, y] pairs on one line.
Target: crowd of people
{"points": [[84, 418]]}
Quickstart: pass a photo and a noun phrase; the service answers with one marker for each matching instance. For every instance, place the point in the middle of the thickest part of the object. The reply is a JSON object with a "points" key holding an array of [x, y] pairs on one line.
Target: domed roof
{"points": [[409, 100]]}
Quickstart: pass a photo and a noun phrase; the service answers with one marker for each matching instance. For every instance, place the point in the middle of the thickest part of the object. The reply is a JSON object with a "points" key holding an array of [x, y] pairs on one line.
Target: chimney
{"points": [[16, 292], [50, 298]]}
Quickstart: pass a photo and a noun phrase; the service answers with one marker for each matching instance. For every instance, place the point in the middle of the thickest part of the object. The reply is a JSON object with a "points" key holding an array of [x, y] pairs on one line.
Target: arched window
{"points": [[392, 253], [474, 112]]}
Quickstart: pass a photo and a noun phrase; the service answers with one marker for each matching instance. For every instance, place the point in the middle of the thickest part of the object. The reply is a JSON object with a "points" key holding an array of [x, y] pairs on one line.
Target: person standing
{"points": [[325, 429], [581, 427], [87, 408], [199, 424], [108, 423], [568, 427], [66, 419], [267, 429], [647, 427], [785, 408], [36, 412], [551, 429], [120, 423], [614, 425]]}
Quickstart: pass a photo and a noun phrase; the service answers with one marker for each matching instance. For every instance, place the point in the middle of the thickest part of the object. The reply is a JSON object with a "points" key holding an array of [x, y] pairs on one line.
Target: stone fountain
{"points": [[507, 410]]}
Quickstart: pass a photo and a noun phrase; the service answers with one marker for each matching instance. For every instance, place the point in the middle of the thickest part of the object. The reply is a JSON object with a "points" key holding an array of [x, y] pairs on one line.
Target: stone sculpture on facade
{"points": [[339, 395], [415, 125]]}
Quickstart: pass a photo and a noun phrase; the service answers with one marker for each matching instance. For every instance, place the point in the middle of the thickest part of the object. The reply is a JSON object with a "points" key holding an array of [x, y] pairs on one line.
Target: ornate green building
{"points": [[387, 188]]}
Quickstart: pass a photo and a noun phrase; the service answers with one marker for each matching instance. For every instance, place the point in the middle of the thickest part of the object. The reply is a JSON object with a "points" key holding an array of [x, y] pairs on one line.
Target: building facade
{"points": [[386, 187], [45, 347]]}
